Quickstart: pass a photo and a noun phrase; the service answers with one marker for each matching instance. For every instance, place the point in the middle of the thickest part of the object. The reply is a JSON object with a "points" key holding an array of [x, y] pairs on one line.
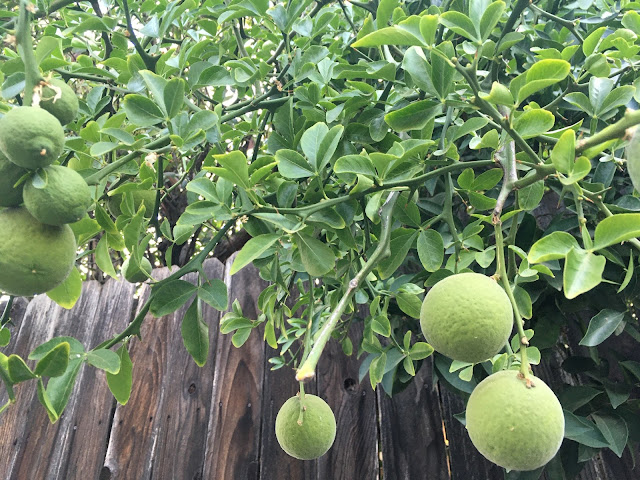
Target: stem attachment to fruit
{"points": [[383, 250], [25, 48]]}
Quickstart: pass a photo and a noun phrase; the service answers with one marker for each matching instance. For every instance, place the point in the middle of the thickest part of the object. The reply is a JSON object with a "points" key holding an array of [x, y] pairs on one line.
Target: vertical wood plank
{"points": [[354, 454], [411, 431], [75, 445], [279, 386], [161, 432], [233, 442]]}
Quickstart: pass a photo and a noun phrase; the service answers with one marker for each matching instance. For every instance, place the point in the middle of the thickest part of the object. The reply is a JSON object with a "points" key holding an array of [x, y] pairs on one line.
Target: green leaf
{"points": [[293, 165], [59, 389], [54, 363], [541, 75], [552, 247], [590, 43], [583, 431], [142, 111], [376, 369], [18, 370], [104, 359], [490, 19], [409, 303], [317, 258], [582, 272], [235, 168], [614, 430], [120, 383], [311, 142], [396, 35], [380, 324], [631, 20], [252, 250], [328, 147], [384, 12], [430, 250], [400, 245], [420, 350], [214, 294], [174, 96], [530, 196], [46, 403], [442, 72], [499, 95], [356, 164], [461, 24], [170, 297], [414, 116], [487, 180], [103, 257], [156, 85], [534, 122], [195, 334], [601, 327], [68, 292], [579, 170], [629, 275], [615, 229], [43, 350], [240, 337]]}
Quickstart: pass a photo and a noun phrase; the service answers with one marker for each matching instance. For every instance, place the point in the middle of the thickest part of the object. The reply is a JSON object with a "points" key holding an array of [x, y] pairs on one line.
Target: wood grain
{"points": [[411, 431], [235, 423]]}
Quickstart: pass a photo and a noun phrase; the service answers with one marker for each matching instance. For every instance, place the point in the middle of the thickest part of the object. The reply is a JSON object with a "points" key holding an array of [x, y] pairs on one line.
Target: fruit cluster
{"points": [[514, 422], [37, 246]]}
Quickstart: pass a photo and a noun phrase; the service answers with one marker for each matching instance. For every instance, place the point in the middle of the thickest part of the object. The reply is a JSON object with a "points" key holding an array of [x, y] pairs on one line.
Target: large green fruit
{"points": [[31, 137], [311, 438], [133, 273], [512, 425], [467, 317], [63, 198], [63, 105], [140, 197], [34, 257], [10, 173]]}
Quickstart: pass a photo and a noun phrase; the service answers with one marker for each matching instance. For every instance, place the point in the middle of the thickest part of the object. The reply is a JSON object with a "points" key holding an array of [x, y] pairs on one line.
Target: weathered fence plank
{"points": [[74, 446], [411, 431], [354, 454], [233, 441]]}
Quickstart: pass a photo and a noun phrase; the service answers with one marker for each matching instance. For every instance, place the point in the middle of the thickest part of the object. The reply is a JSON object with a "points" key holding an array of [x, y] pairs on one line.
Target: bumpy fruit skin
{"points": [[34, 257], [31, 137], [513, 426], [632, 152], [315, 436], [133, 274], [64, 199], [10, 173], [467, 317], [64, 108], [140, 197]]}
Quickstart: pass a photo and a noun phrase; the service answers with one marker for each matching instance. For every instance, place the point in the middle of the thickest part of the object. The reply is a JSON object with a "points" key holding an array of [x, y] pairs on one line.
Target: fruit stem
{"points": [[308, 368], [501, 272], [301, 414], [24, 46]]}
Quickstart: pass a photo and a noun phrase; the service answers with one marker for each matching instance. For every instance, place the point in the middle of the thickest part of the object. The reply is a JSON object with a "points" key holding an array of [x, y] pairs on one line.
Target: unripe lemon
{"points": [[632, 152], [311, 438], [31, 137], [10, 173], [134, 274], [64, 105], [64, 198], [512, 425], [467, 317], [34, 257]]}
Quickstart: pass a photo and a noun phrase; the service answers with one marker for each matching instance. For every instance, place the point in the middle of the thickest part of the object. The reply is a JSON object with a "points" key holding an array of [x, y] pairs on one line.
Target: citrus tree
{"points": [[370, 152]]}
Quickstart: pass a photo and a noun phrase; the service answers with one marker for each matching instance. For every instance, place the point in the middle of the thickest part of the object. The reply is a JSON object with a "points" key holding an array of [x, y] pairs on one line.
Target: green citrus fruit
{"points": [[63, 105], [31, 137], [512, 425], [59, 196], [311, 438], [34, 257], [632, 152], [467, 317], [10, 173], [140, 197], [134, 274]]}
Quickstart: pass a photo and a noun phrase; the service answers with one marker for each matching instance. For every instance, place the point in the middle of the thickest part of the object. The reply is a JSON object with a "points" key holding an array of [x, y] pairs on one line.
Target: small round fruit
{"points": [[64, 198], [134, 274], [64, 104], [10, 173], [140, 197], [512, 425], [31, 137], [467, 317], [311, 438], [34, 257]]}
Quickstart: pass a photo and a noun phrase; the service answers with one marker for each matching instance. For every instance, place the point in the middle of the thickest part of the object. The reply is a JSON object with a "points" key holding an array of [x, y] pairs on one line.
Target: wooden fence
{"points": [[217, 422]]}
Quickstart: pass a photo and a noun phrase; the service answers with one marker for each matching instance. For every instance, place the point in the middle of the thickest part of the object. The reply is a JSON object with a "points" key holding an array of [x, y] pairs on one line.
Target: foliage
{"points": [[499, 127]]}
